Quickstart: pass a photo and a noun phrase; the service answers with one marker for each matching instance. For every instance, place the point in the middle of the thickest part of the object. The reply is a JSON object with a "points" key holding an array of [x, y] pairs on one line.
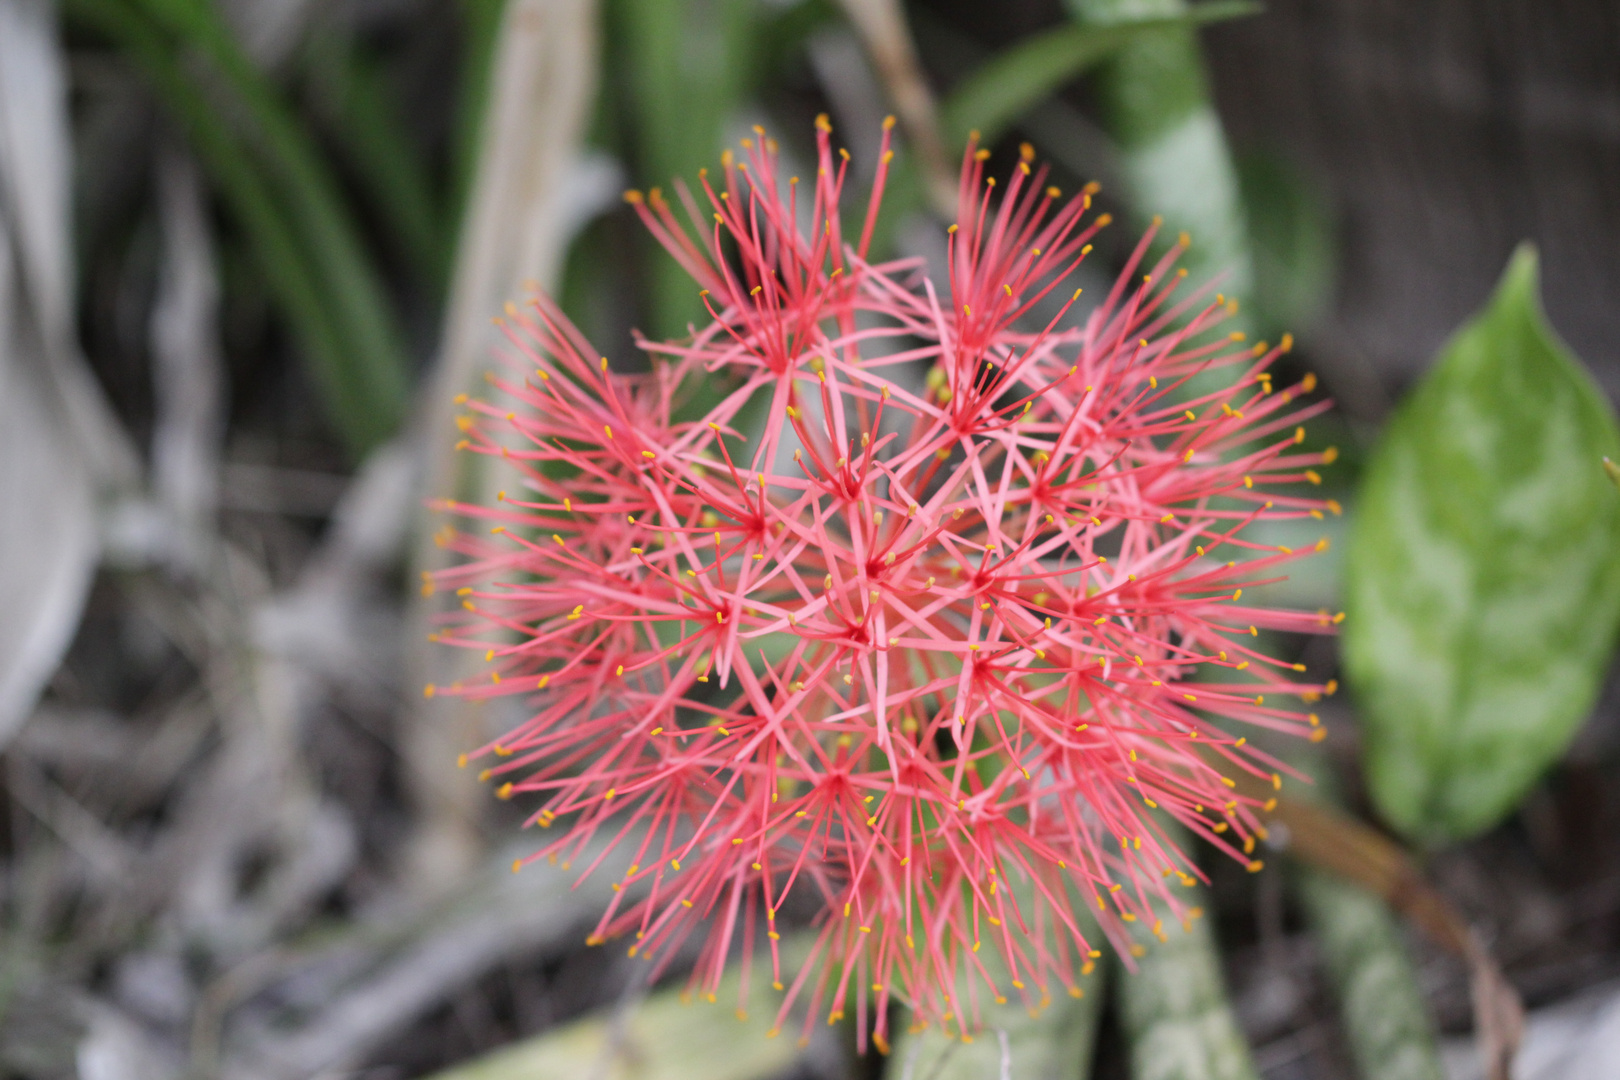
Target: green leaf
{"points": [[686, 66], [1023, 75], [1157, 81], [1174, 162], [1483, 586], [1381, 1006], [666, 1036], [270, 171], [1291, 240], [1052, 1036], [1175, 1011], [351, 96], [275, 248], [1382, 1012]]}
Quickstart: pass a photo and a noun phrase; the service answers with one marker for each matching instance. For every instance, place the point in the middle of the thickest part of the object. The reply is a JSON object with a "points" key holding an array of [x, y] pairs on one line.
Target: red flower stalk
{"points": [[942, 655]]}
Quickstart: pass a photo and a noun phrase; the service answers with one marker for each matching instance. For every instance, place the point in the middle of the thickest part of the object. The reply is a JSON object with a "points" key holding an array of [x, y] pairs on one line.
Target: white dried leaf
{"points": [[116, 1048], [35, 187], [34, 158], [270, 30], [522, 205], [48, 531]]}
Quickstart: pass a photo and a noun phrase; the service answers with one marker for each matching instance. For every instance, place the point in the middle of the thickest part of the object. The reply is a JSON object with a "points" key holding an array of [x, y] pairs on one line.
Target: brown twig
{"points": [[1335, 842]]}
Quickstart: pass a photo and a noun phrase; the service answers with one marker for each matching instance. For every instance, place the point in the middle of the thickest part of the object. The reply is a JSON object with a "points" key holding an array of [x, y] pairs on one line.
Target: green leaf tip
{"points": [[1481, 581]]}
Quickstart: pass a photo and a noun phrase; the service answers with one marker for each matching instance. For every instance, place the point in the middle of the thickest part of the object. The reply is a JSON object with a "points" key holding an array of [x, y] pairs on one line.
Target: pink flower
{"points": [[935, 657]]}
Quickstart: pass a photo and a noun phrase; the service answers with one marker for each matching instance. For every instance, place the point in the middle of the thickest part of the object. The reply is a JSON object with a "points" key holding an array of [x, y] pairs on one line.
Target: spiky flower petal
{"points": [[934, 619]]}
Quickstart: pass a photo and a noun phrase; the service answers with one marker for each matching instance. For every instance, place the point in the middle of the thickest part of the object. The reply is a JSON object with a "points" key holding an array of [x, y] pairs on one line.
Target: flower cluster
{"points": [[915, 605]]}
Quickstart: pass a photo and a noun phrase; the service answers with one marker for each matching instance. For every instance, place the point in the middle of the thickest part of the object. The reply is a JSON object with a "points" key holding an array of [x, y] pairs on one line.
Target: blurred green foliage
{"points": [[686, 65], [350, 94], [1174, 1006], [1386, 1020], [268, 168], [1291, 244], [1023, 75], [1155, 102], [1483, 584]]}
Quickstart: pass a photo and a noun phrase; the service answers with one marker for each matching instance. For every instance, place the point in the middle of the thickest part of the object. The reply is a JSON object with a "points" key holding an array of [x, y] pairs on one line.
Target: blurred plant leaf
{"points": [[782, 32], [352, 90], [1385, 1019], [1381, 1006], [686, 66], [276, 182], [373, 371], [480, 27], [48, 544], [36, 167], [522, 206], [188, 370], [885, 32], [1175, 1011], [531, 185], [1025, 74], [1055, 1041], [665, 1036], [57, 439], [1483, 587], [1291, 240], [36, 183], [1174, 158], [1327, 839], [1157, 79]]}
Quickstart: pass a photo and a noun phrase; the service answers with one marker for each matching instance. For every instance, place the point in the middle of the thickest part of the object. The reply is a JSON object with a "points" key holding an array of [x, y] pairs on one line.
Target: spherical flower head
{"points": [[917, 606]]}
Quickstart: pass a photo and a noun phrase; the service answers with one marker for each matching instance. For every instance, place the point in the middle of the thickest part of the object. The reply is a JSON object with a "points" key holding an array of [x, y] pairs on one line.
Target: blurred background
{"points": [[249, 250]]}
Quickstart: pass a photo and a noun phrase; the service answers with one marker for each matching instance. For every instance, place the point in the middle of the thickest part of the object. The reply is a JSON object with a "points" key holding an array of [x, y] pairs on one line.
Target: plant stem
{"points": [[1057, 1042], [1383, 1011]]}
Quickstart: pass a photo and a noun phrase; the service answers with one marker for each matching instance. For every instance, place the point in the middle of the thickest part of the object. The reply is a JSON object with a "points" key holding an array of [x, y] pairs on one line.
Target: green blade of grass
{"points": [[373, 355], [687, 73], [358, 108], [245, 191]]}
